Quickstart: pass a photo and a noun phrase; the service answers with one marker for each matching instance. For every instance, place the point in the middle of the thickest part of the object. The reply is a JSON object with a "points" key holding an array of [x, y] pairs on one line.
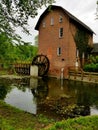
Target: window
{"points": [[60, 19], [60, 32], [77, 53], [59, 51], [44, 24], [52, 21]]}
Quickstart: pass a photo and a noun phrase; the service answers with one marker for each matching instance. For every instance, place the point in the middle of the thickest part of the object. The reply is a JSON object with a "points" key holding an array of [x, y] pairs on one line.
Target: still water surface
{"points": [[49, 95]]}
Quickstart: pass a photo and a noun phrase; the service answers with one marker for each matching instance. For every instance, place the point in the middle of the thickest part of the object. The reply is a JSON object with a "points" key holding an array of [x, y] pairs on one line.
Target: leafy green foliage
{"points": [[5, 47], [82, 123], [15, 13], [97, 9], [10, 53], [25, 52], [81, 40], [93, 59], [36, 40], [93, 65]]}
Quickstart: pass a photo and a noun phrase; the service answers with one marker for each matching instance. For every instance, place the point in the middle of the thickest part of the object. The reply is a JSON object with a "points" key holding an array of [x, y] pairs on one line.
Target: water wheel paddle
{"points": [[43, 64]]}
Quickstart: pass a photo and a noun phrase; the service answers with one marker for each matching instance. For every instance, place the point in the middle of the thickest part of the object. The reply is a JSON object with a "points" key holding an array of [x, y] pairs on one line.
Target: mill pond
{"points": [[52, 97]]}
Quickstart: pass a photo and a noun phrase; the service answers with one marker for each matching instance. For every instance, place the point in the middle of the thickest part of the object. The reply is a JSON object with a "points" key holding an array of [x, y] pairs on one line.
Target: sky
{"points": [[84, 10]]}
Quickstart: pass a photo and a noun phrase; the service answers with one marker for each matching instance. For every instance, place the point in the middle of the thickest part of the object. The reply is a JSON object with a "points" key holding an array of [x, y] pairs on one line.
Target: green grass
{"points": [[81, 123], [14, 119]]}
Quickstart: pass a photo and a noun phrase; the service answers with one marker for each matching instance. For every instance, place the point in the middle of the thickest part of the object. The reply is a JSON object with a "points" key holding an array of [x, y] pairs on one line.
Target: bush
{"points": [[81, 123], [91, 67]]}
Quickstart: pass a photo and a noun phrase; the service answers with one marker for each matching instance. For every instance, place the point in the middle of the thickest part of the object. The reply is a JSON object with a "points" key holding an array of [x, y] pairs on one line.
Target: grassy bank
{"points": [[15, 119], [81, 123]]}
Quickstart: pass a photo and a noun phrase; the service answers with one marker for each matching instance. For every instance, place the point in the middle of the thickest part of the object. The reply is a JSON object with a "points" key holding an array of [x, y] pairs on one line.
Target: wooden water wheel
{"points": [[43, 64]]}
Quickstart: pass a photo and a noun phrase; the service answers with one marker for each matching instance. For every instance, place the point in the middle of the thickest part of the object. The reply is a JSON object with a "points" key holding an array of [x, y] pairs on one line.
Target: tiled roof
{"points": [[77, 21]]}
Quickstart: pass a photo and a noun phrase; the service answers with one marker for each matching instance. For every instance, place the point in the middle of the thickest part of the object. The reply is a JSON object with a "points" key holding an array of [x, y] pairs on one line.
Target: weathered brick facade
{"points": [[61, 51]]}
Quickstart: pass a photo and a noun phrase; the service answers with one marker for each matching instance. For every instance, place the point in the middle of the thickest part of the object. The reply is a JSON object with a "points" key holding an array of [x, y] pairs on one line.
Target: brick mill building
{"points": [[57, 29]]}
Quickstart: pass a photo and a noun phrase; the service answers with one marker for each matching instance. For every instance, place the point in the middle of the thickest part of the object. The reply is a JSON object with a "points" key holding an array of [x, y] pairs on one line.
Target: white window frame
{"points": [[52, 21], [77, 53], [44, 24], [60, 19]]}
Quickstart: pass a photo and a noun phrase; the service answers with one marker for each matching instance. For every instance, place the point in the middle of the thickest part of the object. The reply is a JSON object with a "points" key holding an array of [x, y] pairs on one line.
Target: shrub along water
{"points": [[92, 66]]}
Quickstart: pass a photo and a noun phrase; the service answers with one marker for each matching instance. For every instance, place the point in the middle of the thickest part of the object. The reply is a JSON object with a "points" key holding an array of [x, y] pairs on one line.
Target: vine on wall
{"points": [[81, 39]]}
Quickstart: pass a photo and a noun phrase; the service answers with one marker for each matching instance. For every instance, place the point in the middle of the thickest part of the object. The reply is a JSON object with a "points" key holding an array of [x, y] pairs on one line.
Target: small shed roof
{"points": [[66, 12]]}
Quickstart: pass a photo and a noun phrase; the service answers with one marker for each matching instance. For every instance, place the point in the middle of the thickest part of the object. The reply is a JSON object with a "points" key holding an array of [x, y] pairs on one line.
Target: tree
{"points": [[36, 40], [15, 13], [5, 47], [81, 39], [25, 52], [97, 9], [10, 53]]}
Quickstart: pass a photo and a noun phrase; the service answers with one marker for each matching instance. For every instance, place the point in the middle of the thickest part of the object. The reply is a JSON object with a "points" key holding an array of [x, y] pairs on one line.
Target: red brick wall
{"points": [[49, 41]]}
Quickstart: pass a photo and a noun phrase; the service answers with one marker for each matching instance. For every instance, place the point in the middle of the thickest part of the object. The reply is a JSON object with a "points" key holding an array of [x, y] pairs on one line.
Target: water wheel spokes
{"points": [[43, 64]]}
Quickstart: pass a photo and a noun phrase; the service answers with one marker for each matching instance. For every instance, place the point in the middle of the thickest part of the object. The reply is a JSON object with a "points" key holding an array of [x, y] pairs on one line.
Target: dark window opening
{"points": [[59, 51], [60, 32]]}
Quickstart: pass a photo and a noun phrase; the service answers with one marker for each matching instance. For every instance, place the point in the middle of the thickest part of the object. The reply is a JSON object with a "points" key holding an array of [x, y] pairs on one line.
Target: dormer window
{"points": [[60, 32], [60, 19], [52, 21], [44, 24]]}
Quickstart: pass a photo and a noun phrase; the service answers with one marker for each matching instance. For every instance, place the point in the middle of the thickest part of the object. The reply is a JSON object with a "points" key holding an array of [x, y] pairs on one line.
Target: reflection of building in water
{"points": [[52, 100], [50, 97], [39, 88], [57, 90], [33, 83]]}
